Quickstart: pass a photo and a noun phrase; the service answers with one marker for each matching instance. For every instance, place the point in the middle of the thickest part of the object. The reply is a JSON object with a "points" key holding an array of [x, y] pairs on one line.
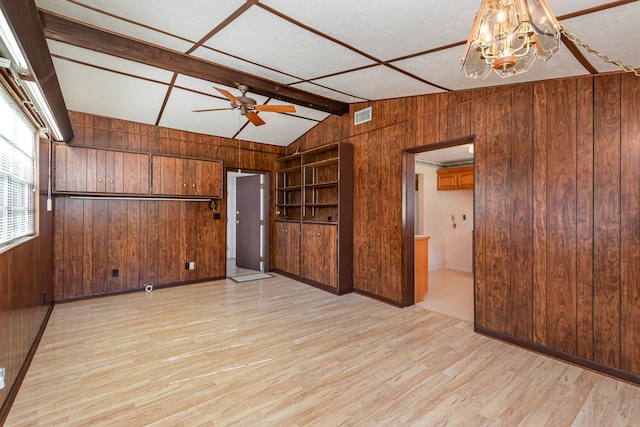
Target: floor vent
{"points": [[362, 116]]}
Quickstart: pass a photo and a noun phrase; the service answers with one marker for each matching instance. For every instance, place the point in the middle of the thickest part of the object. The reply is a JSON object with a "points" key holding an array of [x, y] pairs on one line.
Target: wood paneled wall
{"points": [[26, 293], [148, 242], [557, 207]]}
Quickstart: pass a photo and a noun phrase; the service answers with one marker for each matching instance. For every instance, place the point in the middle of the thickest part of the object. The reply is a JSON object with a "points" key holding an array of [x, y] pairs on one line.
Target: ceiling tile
{"points": [[376, 83], [191, 23], [382, 28], [178, 114], [327, 92], [280, 129], [563, 7], [211, 55], [104, 93], [109, 62], [208, 87], [265, 39], [443, 68], [612, 32]]}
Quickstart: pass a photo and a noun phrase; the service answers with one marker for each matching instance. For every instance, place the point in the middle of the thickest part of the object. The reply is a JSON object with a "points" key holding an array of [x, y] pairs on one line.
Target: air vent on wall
{"points": [[362, 116]]}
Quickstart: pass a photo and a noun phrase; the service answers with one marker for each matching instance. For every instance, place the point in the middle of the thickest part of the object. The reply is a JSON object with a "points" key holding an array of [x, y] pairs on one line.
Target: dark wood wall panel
{"points": [[147, 241], [26, 292], [606, 271], [521, 179], [584, 210], [630, 224], [557, 206], [497, 209], [561, 216]]}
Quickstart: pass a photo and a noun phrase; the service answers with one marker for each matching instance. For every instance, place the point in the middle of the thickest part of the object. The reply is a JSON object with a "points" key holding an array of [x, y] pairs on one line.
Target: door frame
{"points": [[266, 204], [408, 212]]}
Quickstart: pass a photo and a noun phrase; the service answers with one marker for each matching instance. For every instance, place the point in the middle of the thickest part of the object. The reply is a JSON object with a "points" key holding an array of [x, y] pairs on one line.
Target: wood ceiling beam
{"points": [[72, 32], [23, 19]]}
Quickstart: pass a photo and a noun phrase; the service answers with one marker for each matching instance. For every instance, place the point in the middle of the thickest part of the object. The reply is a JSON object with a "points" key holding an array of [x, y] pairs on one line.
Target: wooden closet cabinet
{"points": [[97, 171], [314, 191], [455, 178], [287, 240], [177, 176]]}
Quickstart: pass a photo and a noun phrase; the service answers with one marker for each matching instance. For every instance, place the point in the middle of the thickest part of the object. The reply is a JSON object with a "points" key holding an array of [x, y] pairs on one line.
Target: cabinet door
{"points": [[465, 179], [287, 248], [447, 180], [209, 178], [93, 170], [319, 252], [70, 168], [164, 179]]}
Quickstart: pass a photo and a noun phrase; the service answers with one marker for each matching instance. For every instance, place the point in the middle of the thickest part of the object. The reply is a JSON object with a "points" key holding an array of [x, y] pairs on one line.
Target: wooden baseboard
{"points": [[128, 291], [379, 298], [11, 396], [567, 357]]}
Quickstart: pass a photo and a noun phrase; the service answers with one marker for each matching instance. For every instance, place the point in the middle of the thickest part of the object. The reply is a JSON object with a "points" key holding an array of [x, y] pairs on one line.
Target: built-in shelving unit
{"points": [[315, 189]]}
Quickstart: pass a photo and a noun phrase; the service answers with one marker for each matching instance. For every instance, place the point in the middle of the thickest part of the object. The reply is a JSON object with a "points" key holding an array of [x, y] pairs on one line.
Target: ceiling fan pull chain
{"points": [[575, 39]]}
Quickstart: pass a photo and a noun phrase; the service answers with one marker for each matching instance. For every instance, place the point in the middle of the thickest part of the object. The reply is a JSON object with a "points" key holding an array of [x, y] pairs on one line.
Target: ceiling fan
{"points": [[248, 106]]}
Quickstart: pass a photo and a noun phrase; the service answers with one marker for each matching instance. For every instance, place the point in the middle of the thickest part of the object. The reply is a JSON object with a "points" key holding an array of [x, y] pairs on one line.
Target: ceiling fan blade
{"points": [[276, 108], [211, 109], [228, 95], [254, 118]]}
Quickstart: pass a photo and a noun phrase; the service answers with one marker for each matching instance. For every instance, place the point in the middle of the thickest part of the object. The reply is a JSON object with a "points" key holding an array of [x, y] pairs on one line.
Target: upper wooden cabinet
{"points": [[455, 178], [177, 176], [93, 170]]}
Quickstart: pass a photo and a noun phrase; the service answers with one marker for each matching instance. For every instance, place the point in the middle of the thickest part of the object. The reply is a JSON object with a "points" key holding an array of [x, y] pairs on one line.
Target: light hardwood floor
{"points": [[280, 353]]}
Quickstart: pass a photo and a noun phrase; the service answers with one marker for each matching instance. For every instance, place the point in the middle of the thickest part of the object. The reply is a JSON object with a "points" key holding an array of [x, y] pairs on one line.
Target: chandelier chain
{"points": [[574, 38]]}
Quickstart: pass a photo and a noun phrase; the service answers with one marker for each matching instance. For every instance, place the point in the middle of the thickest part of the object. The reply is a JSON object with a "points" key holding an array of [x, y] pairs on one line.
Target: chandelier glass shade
{"points": [[508, 35]]}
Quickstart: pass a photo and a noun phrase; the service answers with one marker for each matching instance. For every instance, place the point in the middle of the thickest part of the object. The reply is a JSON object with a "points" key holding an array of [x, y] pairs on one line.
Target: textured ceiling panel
{"points": [[242, 65], [109, 62], [280, 129], [327, 92], [386, 29], [443, 68], [104, 93], [112, 24], [264, 38], [379, 82], [205, 86], [562, 7], [613, 32], [178, 114], [459, 153]]}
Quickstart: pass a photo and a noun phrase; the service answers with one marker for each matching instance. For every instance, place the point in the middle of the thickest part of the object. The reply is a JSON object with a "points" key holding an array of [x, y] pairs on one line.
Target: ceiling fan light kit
{"points": [[248, 106]]}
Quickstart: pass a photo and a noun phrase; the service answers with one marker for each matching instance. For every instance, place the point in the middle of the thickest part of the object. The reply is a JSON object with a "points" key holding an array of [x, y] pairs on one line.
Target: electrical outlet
{"points": [[1, 378], [192, 265], [114, 272]]}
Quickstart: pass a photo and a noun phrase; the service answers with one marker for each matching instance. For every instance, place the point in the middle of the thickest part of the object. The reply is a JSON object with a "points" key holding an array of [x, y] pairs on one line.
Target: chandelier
{"points": [[508, 35]]}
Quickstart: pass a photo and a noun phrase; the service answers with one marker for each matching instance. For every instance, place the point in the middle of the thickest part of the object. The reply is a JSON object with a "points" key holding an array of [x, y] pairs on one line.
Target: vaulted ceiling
{"points": [[154, 61]]}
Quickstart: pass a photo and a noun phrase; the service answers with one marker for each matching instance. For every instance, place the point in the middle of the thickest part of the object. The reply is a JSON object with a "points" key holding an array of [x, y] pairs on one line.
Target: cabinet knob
{"points": [[110, 181], [99, 179], [193, 185], [184, 185]]}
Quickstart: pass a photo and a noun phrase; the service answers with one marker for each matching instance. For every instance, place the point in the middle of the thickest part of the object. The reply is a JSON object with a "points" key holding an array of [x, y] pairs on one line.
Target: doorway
{"points": [[247, 220], [441, 281]]}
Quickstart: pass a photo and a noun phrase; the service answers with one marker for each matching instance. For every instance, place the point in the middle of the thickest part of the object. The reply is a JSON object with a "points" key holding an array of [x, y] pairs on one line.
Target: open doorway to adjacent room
{"points": [[438, 233], [247, 220]]}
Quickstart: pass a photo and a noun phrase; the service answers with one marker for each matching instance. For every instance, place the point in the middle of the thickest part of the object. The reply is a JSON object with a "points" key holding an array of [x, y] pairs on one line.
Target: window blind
{"points": [[17, 173]]}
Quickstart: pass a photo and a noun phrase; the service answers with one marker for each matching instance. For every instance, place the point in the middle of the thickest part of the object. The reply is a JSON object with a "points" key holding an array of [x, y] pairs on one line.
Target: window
{"points": [[17, 173]]}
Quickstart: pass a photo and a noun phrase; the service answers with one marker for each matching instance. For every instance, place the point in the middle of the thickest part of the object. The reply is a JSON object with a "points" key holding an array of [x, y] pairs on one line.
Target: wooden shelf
{"points": [[327, 184], [321, 251]]}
